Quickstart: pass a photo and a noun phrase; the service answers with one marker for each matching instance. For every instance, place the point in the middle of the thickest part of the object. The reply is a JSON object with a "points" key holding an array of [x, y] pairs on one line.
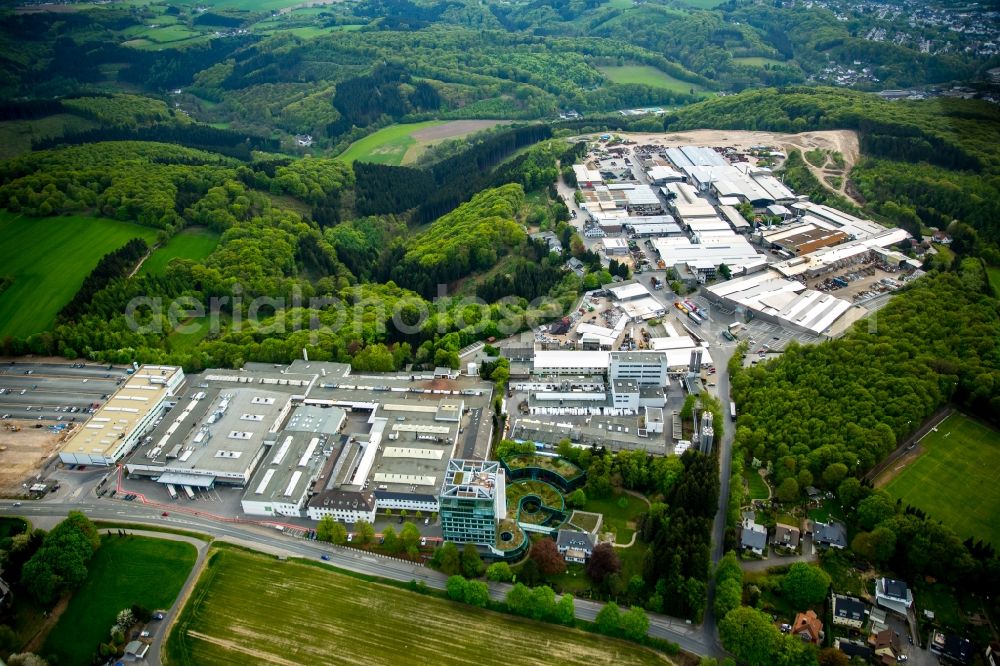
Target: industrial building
{"points": [[587, 178], [473, 499], [703, 258], [615, 247], [775, 298], [118, 426]]}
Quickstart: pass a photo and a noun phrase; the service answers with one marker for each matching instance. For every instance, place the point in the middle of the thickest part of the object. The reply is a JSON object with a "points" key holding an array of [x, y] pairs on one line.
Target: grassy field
{"points": [[16, 135], [386, 146], [758, 489], [993, 272], [649, 76], [195, 243], [12, 526], [48, 259], [619, 518], [952, 481], [756, 61], [123, 572], [250, 608]]}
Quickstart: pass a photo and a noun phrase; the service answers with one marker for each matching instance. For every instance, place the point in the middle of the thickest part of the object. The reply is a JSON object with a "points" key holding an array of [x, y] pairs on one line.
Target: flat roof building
{"points": [[473, 500], [119, 425]]}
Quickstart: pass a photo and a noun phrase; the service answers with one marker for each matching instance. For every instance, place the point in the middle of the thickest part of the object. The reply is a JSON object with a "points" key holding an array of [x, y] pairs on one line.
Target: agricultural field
{"points": [[648, 75], [195, 243], [16, 135], [304, 613], [952, 480], [403, 144], [121, 573], [49, 258], [756, 61]]}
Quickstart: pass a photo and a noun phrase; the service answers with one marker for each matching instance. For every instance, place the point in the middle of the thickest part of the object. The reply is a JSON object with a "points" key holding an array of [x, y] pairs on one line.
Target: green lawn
{"points": [[621, 519], [195, 243], [49, 258], [386, 146], [16, 135], [12, 526], [757, 486], [250, 608], [649, 76], [994, 276], [756, 61], [123, 572], [701, 4], [953, 480]]}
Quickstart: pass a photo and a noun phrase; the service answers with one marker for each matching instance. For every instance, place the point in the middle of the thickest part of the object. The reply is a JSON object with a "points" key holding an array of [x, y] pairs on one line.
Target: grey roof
{"points": [[895, 588], [750, 538], [854, 649], [833, 534], [849, 608], [574, 539]]}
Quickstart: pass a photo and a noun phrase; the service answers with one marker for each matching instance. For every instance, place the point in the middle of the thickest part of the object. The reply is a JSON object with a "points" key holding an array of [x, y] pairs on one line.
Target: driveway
{"points": [[808, 555]]}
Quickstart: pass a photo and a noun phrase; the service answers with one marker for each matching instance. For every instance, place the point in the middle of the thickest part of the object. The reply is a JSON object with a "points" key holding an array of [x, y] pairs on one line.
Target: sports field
{"points": [[123, 572], [953, 480], [195, 243], [650, 76], [251, 608], [48, 258]]}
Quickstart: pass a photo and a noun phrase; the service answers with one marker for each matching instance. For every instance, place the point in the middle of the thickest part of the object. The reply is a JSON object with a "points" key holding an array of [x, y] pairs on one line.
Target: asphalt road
{"points": [[696, 640]]}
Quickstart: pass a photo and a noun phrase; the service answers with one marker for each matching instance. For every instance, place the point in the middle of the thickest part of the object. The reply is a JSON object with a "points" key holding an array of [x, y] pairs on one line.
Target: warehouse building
{"points": [[119, 425], [704, 258], [587, 178]]}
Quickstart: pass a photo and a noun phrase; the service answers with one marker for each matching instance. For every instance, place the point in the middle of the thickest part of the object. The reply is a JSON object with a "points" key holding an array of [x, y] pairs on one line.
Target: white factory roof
{"points": [[707, 224], [681, 358], [729, 201], [629, 290], [614, 243], [663, 173], [643, 308], [847, 223], [598, 361], [733, 216], [585, 175], [644, 220], [642, 195], [673, 342], [734, 251], [787, 300]]}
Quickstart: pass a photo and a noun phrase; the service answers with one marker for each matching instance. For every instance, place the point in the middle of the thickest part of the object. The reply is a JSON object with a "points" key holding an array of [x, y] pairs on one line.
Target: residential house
{"points": [[848, 611], [885, 645], [853, 648], [950, 647], [753, 537], [576, 266], [786, 536], [808, 627], [575, 546], [830, 535], [893, 595], [136, 650]]}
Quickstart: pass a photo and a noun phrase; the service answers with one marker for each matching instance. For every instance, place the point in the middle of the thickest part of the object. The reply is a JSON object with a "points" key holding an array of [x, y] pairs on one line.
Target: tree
{"points": [[519, 599], [788, 491], [634, 624], [530, 574], [409, 538], [874, 509], [805, 585], [832, 657], [365, 532], [577, 499], [447, 559], [472, 563], [602, 563], [725, 272], [455, 587], [608, 619], [850, 492], [390, 540], [750, 636], [545, 553], [500, 572], [834, 474], [331, 531], [876, 546], [565, 612], [477, 593]]}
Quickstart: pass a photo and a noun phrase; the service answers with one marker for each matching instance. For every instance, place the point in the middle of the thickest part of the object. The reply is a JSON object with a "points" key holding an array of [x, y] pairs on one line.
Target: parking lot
{"points": [[55, 391]]}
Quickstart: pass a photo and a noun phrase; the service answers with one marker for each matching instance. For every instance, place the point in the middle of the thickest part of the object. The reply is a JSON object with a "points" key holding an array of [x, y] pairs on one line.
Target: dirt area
{"points": [[898, 466], [38, 639], [844, 142], [455, 129], [23, 453]]}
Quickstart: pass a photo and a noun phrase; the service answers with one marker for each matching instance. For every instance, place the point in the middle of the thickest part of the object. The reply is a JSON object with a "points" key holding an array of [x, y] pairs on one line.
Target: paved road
{"points": [[808, 555], [692, 639]]}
